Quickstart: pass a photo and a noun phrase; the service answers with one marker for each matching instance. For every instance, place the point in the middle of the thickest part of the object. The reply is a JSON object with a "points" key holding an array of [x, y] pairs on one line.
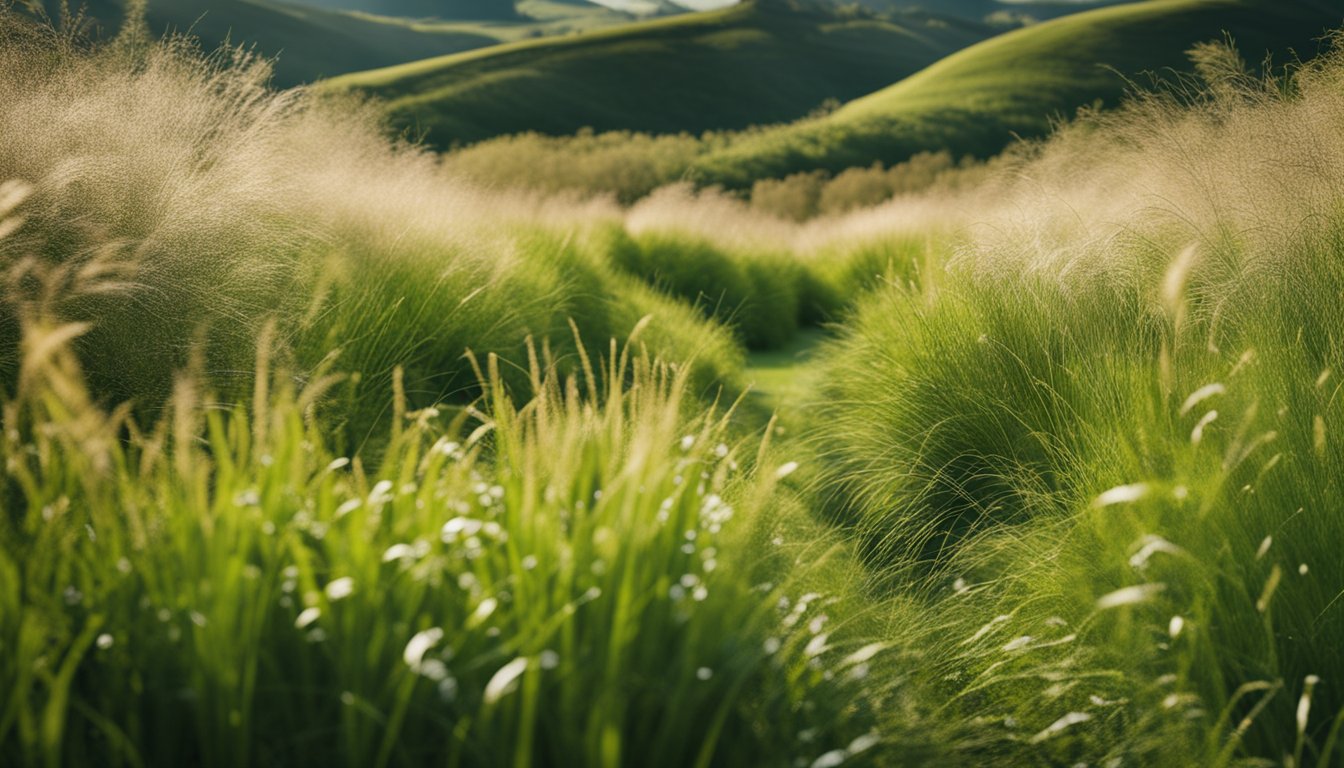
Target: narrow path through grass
{"points": [[777, 378]]}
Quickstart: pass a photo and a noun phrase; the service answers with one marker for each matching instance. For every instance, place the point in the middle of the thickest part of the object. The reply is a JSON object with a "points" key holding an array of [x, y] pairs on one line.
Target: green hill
{"points": [[977, 100], [999, 12], [440, 9], [309, 43], [766, 61]]}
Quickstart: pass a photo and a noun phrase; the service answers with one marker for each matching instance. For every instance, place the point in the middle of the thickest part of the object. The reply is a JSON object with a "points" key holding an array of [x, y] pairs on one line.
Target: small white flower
{"points": [[464, 527], [1265, 544], [308, 616], [1121, 494], [1175, 626], [381, 493], [419, 645], [341, 588], [504, 680], [482, 612], [1060, 725], [1139, 593], [817, 645], [863, 743], [398, 552], [433, 669], [864, 654]]}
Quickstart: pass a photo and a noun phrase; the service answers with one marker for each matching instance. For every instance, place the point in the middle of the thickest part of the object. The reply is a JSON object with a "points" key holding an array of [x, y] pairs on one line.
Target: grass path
{"points": [[778, 379]]}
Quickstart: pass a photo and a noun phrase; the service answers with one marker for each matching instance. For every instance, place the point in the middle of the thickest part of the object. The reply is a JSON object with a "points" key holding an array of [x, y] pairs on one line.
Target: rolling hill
{"points": [[975, 101], [309, 43], [1000, 12], [439, 9], [765, 61]]}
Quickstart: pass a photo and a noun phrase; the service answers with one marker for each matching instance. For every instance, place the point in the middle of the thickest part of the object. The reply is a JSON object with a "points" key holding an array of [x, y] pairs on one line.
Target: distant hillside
{"points": [[310, 43], [1000, 12], [975, 101], [766, 61], [439, 9]]}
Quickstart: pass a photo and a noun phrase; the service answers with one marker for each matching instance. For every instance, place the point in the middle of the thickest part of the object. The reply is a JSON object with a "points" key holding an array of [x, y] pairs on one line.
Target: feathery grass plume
{"points": [[365, 256]]}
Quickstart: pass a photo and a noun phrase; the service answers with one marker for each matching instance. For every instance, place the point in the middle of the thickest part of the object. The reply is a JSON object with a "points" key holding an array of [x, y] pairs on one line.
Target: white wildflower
{"points": [[419, 645], [341, 588], [504, 680]]}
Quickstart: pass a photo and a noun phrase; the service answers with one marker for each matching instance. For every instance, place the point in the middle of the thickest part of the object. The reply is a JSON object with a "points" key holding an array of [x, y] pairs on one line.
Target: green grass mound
{"points": [[212, 219], [978, 100], [1104, 442], [533, 584], [765, 61]]}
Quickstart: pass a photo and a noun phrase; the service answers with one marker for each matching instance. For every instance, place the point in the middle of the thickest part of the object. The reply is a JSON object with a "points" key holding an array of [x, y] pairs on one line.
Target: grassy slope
{"points": [[443, 9], [757, 63], [976, 100], [310, 43], [980, 9]]}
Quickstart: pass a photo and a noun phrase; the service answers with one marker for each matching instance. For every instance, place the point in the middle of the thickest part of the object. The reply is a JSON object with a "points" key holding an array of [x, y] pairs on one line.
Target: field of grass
{"points": [[334, 458], [765, 61], [970, 104], [442, 9], [1004, 13], [1112, 423]]}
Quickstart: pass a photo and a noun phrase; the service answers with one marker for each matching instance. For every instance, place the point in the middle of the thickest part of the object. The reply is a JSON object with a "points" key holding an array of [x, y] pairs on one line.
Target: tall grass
{"points": [[203, 189], [584, 577], [226, 206], [262, 507], [1102, 441]]}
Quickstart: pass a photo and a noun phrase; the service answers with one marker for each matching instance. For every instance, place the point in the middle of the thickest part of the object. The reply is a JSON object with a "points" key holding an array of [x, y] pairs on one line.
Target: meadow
{"points": [[758, 62], [742, 103], [345, 457]]}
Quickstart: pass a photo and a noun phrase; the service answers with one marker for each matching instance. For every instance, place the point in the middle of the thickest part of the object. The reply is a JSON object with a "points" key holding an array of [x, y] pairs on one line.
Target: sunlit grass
{"points": [[1102, 441], [575, 578], [330, 458]]}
